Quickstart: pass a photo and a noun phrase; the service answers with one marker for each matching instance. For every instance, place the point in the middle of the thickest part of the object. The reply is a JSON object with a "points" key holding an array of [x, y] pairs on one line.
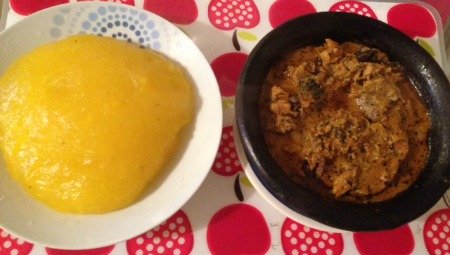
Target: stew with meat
{"points": [[345, 121]]}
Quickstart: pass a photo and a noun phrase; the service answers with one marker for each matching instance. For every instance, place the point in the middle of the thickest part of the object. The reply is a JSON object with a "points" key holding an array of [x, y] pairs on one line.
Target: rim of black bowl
{"points": [[425, 74]]}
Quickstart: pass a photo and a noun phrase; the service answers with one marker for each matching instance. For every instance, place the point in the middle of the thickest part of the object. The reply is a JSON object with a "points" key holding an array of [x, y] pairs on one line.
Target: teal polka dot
{"points": [[150, 24], [55, 32], [86, 25], [142, 16], [156, 45], [155, 34], [102, 10], [93, 16], [112, 8], [58, 20]]}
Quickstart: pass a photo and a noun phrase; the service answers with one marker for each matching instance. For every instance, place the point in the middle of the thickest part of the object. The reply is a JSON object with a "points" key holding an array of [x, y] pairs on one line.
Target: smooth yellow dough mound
{"points": [[88, 122]]}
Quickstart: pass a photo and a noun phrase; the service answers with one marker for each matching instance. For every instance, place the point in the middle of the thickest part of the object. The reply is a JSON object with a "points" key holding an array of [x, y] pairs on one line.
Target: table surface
{"points": [[227, 215]]}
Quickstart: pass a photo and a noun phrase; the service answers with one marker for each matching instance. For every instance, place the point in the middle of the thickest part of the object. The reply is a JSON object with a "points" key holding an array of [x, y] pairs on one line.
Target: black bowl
{"points": [[425, 74]]}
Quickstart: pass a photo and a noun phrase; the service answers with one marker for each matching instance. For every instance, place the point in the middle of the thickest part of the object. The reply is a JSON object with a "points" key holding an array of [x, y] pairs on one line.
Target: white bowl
{"points": [[25, 217]]}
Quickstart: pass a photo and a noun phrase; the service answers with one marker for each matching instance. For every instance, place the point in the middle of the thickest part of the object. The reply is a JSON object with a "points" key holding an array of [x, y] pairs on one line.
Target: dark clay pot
{"points": [[419, 66]]}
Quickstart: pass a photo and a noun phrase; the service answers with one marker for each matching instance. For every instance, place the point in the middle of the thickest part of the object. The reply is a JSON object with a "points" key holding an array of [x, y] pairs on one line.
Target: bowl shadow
{"points": [[185, 136]]}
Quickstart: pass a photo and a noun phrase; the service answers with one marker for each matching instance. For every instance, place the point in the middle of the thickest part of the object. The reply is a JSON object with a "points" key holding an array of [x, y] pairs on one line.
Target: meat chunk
{"points": [[282, 109], [330, 52], [376, 96]]}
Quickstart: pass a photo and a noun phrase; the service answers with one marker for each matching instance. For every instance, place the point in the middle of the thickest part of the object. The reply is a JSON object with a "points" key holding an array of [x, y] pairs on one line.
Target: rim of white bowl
{"points": [[93, 231]]}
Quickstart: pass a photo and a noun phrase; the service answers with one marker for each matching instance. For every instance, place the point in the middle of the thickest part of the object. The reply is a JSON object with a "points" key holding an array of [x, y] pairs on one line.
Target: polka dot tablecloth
{"points": [[226, 215]]}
